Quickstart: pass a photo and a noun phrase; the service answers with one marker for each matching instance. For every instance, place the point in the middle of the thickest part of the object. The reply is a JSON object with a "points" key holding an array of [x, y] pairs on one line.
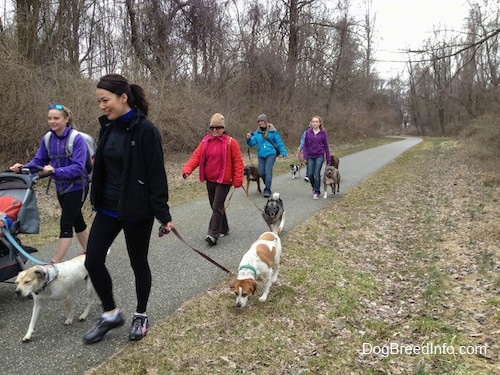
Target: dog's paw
{"points": [[68, 321], [325, 195], [263, 298], [82, 317], [26, 338]]}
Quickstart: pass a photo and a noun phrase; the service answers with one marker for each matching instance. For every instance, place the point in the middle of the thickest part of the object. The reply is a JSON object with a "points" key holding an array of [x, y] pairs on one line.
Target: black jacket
{"points": [[144, 190]]}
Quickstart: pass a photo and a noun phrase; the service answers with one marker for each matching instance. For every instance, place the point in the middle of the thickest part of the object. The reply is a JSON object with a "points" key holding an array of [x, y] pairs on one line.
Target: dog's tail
{"points": [[276, 196]]}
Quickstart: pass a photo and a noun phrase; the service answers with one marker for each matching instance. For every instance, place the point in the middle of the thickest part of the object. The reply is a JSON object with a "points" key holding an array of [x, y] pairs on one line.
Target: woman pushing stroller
{"points": [[69, 173]]}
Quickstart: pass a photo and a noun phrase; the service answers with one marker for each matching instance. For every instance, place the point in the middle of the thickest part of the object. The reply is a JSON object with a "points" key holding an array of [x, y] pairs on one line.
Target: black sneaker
{"points": [[139, 328], [212, 241], [102, 327]]}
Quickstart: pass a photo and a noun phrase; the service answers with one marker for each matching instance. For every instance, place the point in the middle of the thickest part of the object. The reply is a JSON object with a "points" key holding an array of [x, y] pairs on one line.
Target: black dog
{"points": [[252, 174], [274, 214]]}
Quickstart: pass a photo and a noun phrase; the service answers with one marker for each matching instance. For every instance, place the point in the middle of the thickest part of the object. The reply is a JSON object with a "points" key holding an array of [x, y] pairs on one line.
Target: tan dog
{"points": [[55, 282], [331, 178], [261, 260]]}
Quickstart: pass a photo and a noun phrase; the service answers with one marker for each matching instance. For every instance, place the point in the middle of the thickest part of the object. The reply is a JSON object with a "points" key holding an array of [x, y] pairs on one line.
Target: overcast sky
{"points": [[404, 24]]}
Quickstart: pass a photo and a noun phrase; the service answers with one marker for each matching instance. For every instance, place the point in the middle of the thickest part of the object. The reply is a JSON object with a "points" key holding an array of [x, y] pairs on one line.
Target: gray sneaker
{"points": [[139, 328], [102, 327], [212, 241]]}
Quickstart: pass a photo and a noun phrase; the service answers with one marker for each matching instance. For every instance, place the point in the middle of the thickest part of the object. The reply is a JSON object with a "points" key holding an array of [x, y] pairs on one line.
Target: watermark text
{"points": [[430, 348]]}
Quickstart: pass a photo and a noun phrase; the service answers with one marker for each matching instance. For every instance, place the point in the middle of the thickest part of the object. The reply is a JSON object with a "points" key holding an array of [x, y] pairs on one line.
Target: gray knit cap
{"points": [[262, 117]]}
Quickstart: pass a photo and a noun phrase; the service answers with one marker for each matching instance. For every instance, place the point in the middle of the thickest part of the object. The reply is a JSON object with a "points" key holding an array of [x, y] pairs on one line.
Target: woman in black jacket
{"points": [[129, 189]]}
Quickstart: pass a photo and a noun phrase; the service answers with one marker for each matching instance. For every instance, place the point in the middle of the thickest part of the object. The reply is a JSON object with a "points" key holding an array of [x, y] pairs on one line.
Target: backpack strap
{"points": [[46, 141], [69, 143], [71, 140], [69, 153]]}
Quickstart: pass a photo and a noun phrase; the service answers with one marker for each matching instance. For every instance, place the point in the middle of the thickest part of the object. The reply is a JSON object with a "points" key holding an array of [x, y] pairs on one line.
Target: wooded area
{"points": [[290, 59]]}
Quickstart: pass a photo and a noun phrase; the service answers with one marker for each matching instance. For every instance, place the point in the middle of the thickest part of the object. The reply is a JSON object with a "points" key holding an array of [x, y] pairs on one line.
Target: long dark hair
{"points": [[119, 85]]}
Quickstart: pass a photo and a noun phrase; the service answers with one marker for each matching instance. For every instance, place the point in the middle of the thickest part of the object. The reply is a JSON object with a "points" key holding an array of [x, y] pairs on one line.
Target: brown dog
{"points": [[334, 161], [252, 174]]}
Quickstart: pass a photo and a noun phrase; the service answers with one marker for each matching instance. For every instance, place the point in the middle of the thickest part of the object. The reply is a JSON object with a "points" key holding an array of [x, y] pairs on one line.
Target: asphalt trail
{"points": [[179, 274]]}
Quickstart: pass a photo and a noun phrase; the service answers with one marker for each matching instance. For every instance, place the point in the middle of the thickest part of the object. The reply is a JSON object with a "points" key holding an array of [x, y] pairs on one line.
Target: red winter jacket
{"points": [[231, 173]]}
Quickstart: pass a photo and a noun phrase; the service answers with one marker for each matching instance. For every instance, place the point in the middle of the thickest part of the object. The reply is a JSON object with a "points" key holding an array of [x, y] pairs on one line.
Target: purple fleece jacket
{"points": [[316, 145], [68, 171]]}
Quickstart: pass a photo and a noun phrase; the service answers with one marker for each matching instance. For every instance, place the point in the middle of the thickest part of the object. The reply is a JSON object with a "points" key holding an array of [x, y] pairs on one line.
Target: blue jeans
{"points": [[266, 172], [314, 166]]}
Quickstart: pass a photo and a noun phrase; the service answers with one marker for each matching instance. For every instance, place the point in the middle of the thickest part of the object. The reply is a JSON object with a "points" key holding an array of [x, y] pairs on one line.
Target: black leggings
{"points": [[137, 236], [71, 204]]}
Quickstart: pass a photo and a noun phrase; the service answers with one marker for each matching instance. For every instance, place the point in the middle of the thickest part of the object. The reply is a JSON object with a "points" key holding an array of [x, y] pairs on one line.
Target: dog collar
{"points": [[47, 280], [248, 266]]}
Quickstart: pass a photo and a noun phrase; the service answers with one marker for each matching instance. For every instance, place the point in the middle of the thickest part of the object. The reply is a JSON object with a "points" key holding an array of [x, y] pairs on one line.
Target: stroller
{"points": [[19, 214]]}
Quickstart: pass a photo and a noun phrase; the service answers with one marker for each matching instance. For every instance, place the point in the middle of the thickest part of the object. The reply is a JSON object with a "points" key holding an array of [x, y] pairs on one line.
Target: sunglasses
{"points": [[216, 127], [58, 107]]}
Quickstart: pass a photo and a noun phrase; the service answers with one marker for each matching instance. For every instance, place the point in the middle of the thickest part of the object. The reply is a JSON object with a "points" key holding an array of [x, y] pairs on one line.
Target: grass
{"points": [[397, 260], [408, 258]]}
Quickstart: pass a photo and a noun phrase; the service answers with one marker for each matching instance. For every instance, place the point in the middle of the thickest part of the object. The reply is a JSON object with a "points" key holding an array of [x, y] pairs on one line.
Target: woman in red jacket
{"points": [[221, 165]]}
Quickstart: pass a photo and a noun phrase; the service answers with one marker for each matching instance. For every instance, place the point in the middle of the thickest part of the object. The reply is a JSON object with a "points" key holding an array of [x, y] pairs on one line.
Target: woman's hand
{"points": [[16, 168], [49, 169], [165, 229]]}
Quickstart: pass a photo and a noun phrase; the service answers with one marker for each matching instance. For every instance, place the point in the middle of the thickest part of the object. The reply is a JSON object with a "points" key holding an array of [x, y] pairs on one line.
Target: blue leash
{"points": [[11, 239]]}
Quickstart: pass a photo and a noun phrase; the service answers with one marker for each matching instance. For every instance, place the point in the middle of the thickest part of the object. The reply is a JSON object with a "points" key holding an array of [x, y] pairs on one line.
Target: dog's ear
{"points": [[254, 286], [40, 273], [235, 285]]}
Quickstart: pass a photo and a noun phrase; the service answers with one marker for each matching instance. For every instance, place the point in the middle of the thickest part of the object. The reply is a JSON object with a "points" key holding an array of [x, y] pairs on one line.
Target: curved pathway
{"points": [[179, 274]]}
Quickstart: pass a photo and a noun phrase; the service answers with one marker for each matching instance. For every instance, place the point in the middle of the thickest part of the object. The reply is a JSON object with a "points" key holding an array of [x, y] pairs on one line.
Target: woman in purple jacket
{"points": [[315, 150], [69, 174]]}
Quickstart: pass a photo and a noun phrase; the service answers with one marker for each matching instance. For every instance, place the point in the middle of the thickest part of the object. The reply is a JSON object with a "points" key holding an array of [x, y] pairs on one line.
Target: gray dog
{"points": [[331, 178], [274, 213]]}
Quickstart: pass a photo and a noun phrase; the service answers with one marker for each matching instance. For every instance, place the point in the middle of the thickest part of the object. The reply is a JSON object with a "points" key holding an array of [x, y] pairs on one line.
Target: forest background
{"points": [[290, 59]]}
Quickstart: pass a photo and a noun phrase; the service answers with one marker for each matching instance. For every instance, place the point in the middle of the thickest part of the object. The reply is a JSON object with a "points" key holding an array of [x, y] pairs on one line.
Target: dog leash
{"points": [[251, 200], [249, 157], [199, 252], [230, 196]]}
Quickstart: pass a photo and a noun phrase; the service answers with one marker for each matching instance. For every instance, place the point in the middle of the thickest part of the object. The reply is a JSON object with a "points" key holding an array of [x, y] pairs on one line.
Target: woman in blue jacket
{"points": [[69, 174], [315, 150], [268, 142]]}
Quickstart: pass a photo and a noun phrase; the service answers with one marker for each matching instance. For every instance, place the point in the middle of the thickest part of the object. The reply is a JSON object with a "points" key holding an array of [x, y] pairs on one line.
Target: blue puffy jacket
{"points": [[264, 146]]}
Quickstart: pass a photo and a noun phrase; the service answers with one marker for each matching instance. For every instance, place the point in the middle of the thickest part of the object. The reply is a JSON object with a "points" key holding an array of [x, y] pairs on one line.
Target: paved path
{"points": [[179, 274]]}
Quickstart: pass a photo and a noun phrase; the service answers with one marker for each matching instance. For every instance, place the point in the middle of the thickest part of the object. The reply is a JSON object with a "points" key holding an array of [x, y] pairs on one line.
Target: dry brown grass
{"points": [[409, 257]]}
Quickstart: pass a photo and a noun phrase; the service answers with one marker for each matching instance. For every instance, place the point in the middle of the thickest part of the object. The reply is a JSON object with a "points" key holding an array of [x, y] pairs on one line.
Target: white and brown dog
{"points": [[55, 282], [262, 260]]}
